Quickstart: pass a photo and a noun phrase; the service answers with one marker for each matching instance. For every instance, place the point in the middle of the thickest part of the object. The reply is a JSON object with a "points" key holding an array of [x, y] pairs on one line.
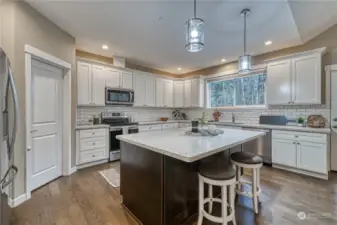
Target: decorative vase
{"points": [[195, 125]]}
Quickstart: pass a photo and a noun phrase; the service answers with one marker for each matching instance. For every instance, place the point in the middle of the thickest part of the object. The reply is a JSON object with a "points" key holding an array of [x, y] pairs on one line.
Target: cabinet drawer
{"points": [[92, 155], [149, 128], [182, 125], [167, 126], [92, 143], [300, 136], [92, 133]]}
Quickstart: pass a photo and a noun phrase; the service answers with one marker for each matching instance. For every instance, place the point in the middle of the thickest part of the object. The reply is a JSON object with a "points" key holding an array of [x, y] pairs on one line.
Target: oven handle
{"points": [[116, 129]]}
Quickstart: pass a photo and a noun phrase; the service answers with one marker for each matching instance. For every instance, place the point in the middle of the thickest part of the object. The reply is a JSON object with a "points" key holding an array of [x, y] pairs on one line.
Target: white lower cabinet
{"points": [[302, 152], [149, 127], [91, 145], [167, 126]]}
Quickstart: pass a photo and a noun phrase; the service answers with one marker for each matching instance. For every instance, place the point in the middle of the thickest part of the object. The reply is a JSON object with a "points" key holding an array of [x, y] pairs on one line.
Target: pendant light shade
{"points": [[245, 61], [194, 33]]}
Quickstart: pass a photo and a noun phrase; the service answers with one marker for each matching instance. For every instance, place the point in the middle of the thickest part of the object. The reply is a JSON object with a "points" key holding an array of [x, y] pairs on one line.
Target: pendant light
{"points": [[245, 61], [194, 33]]}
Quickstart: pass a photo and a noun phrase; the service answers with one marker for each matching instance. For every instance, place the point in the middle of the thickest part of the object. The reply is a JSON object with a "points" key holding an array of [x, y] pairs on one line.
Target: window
{"points": [[238, 92]]}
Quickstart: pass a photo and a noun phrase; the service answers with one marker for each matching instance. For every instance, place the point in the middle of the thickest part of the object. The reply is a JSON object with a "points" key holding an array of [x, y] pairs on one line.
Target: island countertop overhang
{"points": [[176, 144]]}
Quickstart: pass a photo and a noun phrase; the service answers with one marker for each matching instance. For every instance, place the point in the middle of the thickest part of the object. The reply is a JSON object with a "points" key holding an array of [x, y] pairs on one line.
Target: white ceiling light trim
{"points": [[194, 33], [245, 61]]}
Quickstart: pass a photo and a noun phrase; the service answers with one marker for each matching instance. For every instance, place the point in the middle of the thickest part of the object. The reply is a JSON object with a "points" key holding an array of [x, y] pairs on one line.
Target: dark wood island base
{"points": [[158, 189]]}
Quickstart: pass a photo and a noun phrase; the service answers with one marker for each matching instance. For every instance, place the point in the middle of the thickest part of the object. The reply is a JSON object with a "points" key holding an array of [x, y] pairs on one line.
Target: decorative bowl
{"points": [[164, 118]]}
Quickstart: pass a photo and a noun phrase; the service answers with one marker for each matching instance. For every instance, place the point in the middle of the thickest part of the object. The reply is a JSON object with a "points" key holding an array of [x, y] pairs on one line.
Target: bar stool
{"points": [[247, 160], [219, 173]]}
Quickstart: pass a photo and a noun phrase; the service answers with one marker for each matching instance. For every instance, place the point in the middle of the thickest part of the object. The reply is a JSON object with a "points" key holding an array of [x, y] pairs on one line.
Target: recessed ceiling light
{"points": [[105, 47], [268, 42], [178, 68], [223, 60]]}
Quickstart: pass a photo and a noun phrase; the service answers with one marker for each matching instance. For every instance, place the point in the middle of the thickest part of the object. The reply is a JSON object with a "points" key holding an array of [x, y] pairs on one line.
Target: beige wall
{"points": [[326, 39], [30, 27]]}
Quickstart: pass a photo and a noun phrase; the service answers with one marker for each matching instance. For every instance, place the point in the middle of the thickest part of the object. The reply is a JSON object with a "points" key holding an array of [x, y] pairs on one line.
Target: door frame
{"points": [[34, 53]]}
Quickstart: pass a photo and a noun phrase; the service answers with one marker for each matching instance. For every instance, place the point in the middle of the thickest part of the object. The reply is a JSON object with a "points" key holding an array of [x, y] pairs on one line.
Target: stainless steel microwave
{"points": [[117, 96]]}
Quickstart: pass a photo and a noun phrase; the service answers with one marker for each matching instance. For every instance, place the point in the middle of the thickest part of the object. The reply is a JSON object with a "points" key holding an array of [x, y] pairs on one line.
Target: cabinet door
{"points": [[178, 93], [168, 93], [112, 78], [98, 85], [126, 80], [140, 89], [279, 83], [150, 91], [306, 73], [312, 157], [284, 152], [83, 83], [187, 93], [159, 92], [197, 93]]}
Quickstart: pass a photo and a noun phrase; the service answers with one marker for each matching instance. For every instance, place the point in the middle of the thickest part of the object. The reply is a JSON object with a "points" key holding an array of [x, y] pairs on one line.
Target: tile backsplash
{"points": [[252, 115], [139, 114]]}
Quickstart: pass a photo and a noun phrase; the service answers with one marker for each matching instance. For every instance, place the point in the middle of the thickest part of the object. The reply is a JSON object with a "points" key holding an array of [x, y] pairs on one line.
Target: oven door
{"points": [[114, 151]]}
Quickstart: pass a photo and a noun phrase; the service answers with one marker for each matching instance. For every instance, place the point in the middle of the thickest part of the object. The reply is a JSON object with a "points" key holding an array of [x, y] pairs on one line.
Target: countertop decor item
{"points": [[203, 120], [164, 118], [216, 115], [177, 115], [300, 121], [205, 132], [316, 121]]}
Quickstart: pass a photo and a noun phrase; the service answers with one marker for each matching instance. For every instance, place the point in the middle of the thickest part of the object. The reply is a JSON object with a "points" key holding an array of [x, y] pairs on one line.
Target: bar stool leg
{"points": [[238, 177], [254, 187], [201, 201], [224, 204], [232, 201], [210, 195]]}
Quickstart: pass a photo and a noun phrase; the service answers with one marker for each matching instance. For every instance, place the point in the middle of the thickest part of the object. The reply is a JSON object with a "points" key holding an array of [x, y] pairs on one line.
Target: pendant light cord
{"points": [[244, 34], [195, 8]]}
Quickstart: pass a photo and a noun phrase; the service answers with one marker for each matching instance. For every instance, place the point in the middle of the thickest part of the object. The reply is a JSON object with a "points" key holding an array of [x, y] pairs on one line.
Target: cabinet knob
{"points": [[298, 143], [93, 133], [335, 119], [93, 143], [296, 136], [93, 155], [294, 143], [289, 102]]}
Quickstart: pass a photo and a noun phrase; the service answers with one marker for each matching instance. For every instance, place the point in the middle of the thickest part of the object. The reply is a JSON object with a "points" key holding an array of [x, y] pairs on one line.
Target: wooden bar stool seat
{"points": [[247, 160], [219, 173]]}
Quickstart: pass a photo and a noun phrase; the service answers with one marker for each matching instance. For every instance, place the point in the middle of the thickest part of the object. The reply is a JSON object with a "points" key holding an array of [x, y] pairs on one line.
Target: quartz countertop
{"points": [[176, 144], [96, 126]]}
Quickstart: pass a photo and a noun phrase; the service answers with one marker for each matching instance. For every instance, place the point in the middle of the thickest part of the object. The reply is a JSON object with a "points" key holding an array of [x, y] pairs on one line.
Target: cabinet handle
{"points": [[296, 136], [94, 143], [93, 133], [294, 143], [298, 143], [93, 155], [289, 102], [335, 119]]}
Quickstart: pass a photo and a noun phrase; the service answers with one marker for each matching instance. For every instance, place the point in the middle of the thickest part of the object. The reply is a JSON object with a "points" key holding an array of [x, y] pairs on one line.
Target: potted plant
{"points": [[300, 121]]}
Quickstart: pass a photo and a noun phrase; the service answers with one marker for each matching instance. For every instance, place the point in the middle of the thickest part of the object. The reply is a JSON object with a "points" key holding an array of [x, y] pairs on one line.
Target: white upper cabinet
{"points": [[112, 78], [178, 93], [296, 79], [168, 93], [98, 85], [150, 91], [197, 92], [187, 93], [139, 88], [159, 92], [279, 82], [83, 83], [307, 79], [126, 80]]}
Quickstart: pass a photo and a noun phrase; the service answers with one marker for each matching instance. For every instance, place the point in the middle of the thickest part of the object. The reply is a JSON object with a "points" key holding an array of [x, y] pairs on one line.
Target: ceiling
{"points": [[152, 33]]}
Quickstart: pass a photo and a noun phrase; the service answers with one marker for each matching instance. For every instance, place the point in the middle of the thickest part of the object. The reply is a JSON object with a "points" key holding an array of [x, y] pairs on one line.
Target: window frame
{"points": [[236, 107]]}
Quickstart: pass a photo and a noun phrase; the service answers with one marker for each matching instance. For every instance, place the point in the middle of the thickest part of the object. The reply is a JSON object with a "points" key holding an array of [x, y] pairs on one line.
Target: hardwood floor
{"points": [[85, 198]]}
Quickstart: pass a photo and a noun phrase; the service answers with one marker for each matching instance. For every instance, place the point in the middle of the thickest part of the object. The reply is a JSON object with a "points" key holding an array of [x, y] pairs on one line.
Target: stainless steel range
{"points": [[120, 123]]}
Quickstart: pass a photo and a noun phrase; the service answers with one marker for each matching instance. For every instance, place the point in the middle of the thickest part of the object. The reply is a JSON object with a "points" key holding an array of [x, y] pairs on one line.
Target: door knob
{"points": [[29, 149]]}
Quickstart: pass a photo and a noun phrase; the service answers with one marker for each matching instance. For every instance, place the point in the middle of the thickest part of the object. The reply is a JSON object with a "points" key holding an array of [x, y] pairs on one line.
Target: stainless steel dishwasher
{"points": [[260, 146]]}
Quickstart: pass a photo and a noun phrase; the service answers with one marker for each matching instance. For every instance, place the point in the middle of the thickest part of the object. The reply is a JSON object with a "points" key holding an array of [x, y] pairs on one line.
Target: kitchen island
{"points": [[159, 171]]}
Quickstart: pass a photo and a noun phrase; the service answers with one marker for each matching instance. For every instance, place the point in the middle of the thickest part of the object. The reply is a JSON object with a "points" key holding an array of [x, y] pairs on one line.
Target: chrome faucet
{"points": [[233, 118]]}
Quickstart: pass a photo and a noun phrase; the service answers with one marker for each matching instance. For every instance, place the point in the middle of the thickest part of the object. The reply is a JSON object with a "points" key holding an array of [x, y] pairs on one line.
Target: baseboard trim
{"points": [[92, 164], [303, 172], [73, 170], [17, 201]]}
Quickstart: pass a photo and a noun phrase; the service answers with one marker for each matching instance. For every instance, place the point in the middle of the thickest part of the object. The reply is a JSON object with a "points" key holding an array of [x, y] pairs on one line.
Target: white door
{"points": [[284, 152], [46, 137], [168, 93], [112, 78], [98, 85], [140, 89], [279, 83], [187, 93], [312, 157], [126, 80], [306, 73], [83, 83], [159, 92], [150, 91], [178, 93]]}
